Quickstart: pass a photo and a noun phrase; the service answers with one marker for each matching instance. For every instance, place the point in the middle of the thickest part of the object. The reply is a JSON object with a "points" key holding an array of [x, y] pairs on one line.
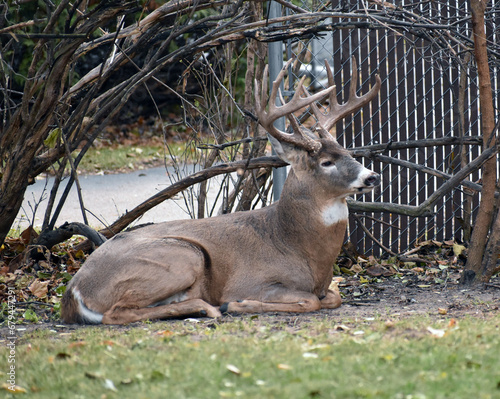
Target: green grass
{"points": [[258, 358], [119, 157], [122, 158]]}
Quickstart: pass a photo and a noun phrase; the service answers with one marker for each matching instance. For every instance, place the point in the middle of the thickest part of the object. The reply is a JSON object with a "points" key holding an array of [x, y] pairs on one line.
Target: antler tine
{"points": [[266, 119], [320, 117], [337, 111]]}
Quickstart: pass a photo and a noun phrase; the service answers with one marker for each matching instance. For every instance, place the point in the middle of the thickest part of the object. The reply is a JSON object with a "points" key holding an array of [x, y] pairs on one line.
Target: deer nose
{"points": [[373, 180]]}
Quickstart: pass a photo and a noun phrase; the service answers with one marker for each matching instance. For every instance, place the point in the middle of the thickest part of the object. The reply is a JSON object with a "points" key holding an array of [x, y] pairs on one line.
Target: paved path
{"points": [[108, 197]]}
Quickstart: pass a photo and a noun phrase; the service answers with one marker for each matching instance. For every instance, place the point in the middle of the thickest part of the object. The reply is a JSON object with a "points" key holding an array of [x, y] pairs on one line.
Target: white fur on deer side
{"points": [[335, 213], [89, 315]]}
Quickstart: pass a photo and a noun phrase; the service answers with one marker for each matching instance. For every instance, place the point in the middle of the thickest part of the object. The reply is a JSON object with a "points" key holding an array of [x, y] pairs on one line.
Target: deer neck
{"points": [[310, 219]]}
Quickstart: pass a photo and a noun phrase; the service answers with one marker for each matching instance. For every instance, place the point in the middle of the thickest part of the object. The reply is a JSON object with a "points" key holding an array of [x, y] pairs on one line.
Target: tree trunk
{"points": [[492, 253], [31, 132], [473, 268], [24, 135]]}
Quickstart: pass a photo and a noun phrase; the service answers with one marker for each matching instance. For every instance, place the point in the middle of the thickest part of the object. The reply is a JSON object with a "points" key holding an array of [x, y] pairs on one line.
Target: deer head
{"points": [[319, 154]]}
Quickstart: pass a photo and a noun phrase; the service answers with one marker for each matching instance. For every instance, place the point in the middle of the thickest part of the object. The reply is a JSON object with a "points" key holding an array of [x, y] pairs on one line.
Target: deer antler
{"points": [[337, 111], [267, 119]]}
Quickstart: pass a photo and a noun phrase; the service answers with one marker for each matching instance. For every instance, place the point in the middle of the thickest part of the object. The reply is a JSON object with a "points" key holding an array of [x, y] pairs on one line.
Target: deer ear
{"points": [[287, 152], [277, 147]]}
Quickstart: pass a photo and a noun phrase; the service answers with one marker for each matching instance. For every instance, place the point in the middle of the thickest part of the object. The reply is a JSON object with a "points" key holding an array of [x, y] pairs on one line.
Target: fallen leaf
{"points": [[93, 376], [452, 324], [389, 357], [44, 264], [356, 268], [233, 369], [13, 388], [108, 384], [458, 249], [389, 324], [309, 355], [376, 271], [76, 344], [347, 271], [391, 271], [341, 327], [363, 280], [436, 333], [165, 333], [79, 254], [442, 311], [39, 288], [282, 366], [28, 234]]}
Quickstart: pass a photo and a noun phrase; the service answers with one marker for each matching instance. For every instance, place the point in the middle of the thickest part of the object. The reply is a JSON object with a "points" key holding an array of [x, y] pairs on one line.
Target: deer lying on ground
{"points": [[275, 259]]}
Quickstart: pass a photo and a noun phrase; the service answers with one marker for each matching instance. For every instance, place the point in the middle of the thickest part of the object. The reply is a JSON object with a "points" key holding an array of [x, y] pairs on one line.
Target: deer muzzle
{"points": [[367, 180]]}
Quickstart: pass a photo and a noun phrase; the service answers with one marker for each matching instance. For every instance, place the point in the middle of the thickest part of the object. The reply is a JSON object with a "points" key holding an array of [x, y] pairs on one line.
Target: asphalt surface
{"points": [[107, 197]]}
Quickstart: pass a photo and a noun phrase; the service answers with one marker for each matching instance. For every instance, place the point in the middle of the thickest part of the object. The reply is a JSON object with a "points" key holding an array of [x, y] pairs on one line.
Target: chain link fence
{"points": [[428, 92]]}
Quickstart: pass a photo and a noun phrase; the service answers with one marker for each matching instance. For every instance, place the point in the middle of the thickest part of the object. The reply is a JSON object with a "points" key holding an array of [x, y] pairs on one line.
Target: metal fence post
{"points": [[275, 58]]}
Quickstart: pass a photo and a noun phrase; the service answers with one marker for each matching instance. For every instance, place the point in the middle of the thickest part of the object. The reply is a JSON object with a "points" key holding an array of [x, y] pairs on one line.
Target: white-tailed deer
{"points": [[275, 259]]}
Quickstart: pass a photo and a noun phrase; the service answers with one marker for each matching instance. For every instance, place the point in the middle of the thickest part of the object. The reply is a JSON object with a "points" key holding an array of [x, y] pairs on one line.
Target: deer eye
{"points": [[326, 163]]}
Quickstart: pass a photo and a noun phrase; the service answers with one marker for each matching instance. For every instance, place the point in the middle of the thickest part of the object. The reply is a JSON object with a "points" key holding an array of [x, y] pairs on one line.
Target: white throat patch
{"points": [[335, 213]]}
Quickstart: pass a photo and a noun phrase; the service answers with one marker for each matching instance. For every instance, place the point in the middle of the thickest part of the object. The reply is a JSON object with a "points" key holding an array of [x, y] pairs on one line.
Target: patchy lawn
{"points": [[323, 355]]}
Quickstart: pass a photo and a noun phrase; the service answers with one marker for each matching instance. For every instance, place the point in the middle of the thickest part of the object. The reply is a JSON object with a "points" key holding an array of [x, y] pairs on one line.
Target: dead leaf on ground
{"points": [[356, 268], [13, 388], [63, 355], [458, 249], [28, 234], [341, 327], [39, 288], [77, 344], [377, 271], [233, 369], [165, 333], [438, 333]]}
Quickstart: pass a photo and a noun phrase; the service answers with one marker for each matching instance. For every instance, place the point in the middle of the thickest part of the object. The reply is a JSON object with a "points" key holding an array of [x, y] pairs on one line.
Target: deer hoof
{"points": [[224, 308]]}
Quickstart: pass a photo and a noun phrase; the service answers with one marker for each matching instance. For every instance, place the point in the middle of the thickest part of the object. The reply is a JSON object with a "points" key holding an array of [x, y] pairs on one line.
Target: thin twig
{"points": [[492, 285], [75, 176], [231, 143], [34, 303], [368, 232], [391, 225]]}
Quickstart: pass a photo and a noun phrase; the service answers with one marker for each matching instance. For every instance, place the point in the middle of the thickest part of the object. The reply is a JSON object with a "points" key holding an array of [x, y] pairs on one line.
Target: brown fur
{"points": [[69, 309]]}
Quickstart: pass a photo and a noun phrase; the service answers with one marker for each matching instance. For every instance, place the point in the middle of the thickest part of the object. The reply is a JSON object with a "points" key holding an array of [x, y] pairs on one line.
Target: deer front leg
{"points": [[283, 301], [332, 300]]}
